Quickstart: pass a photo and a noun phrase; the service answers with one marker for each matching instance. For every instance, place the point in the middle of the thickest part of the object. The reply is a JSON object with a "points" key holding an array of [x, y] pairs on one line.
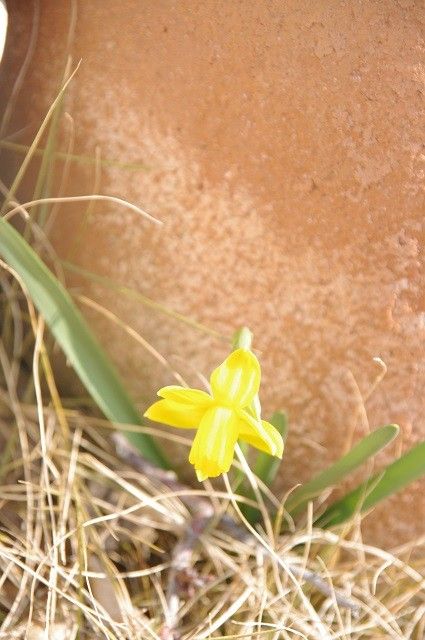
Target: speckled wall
{"points": [[283, 149]]}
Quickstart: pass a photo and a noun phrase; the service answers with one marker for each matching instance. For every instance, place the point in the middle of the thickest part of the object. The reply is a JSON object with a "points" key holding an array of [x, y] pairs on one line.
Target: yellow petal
{"points": [[214, 444], [176, 414], [237, 380], [264, 436], [185, 396]]}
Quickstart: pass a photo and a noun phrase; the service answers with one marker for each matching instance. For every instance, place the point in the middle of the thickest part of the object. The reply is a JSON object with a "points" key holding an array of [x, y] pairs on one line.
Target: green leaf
{"points": [[335, 473], [397, 475], [68, 326]]}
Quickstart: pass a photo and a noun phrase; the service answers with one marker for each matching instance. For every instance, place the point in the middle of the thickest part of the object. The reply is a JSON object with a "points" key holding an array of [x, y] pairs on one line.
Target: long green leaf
{"points": [[397, 475], [362, 451], [75, 338]]}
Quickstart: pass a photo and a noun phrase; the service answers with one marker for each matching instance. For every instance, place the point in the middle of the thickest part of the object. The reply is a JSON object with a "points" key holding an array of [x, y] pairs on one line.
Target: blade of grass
{"points": [[113, 285], [397, 475], [47, 167], [76, 158], [22, 170], [75, 338], [335, 473]]}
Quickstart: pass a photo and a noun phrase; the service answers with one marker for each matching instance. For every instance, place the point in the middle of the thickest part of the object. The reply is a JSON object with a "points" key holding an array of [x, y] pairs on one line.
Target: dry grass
{"points": [[88, 547]]}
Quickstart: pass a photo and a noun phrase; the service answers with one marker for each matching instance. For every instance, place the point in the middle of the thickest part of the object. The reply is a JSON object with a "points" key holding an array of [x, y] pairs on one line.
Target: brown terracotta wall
{"points": [[284, 153]]}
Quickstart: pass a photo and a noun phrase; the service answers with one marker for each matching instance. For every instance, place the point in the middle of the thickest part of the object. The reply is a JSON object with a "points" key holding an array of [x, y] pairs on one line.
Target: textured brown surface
{"points": [[285, 153]]}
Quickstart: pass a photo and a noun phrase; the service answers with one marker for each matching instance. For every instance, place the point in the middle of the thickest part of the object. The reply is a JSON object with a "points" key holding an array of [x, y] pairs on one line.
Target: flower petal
{"points": [[185, 396], [264, 436], [213, 447], [176, 414], [237, 379]]}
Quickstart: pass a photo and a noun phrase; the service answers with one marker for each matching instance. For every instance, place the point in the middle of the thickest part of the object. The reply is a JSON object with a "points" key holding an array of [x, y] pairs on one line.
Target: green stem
{"points": [[243, 339]]}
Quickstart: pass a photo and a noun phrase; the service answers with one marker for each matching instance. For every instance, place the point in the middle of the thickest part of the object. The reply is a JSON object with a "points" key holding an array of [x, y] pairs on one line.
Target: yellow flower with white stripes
{"points": [[221, 418]]}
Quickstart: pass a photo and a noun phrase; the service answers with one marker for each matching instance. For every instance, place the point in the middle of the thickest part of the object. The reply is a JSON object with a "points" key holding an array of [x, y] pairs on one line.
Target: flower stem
{"points": [[243, 339]]}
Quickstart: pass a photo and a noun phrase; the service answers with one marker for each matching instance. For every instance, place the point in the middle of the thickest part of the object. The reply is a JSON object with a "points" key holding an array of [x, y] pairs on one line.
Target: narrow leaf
{"points": [[22, 169], [335, 473], [397, 475], [82, 349], [70, 157]]}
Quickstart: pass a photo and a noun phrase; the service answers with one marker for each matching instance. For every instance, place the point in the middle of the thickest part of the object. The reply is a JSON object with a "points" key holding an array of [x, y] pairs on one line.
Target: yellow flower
{"points": [[223, 417]]}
